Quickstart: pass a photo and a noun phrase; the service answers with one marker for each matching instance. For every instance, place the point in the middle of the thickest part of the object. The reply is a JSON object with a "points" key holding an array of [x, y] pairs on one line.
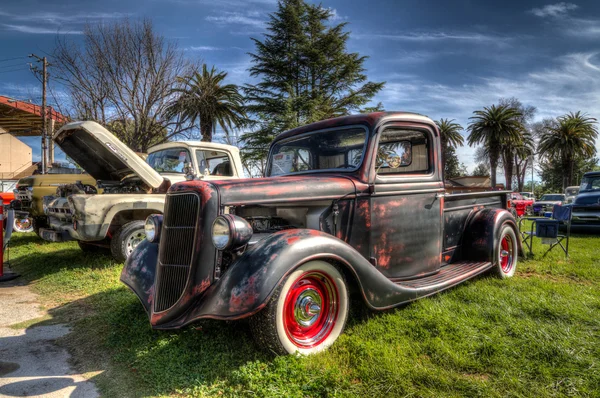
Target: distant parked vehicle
{"points": [[547, 202], [586, 207], [520, 204], [571, 193], [528, 195]]}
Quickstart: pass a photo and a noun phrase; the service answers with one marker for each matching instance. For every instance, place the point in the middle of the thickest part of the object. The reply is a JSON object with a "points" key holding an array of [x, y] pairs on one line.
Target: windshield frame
{"points": [[327, 130]]}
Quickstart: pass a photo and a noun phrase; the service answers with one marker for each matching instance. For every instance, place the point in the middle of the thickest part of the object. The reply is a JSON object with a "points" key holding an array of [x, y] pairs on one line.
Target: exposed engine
{"points": [[127, 185], [66, 190], [262, 224]]}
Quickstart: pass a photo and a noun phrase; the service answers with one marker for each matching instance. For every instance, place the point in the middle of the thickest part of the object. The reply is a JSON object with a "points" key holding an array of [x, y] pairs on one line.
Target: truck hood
{"points": [[55, 180], [102, 155], [588, 198], [278, 189], [547, 202]]}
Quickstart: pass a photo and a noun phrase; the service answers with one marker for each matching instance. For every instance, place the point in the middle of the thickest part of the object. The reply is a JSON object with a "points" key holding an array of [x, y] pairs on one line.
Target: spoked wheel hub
{"points": [[310, 309], [506, 253]]}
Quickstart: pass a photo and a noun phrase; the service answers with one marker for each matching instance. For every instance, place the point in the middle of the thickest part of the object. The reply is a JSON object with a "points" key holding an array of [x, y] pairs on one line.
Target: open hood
{"points": [[102, 155]]}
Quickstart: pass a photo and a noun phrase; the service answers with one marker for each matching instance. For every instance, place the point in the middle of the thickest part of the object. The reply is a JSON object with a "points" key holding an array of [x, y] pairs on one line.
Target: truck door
{"points": [[406, 201]]}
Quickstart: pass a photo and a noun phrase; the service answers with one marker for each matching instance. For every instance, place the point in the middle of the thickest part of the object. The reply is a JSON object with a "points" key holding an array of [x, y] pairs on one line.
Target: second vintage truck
{"points": [[132, 188], [352, 206]]}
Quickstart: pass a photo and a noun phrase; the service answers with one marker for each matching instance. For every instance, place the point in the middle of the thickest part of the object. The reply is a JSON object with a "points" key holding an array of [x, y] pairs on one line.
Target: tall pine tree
{"points": [[306, 74]]}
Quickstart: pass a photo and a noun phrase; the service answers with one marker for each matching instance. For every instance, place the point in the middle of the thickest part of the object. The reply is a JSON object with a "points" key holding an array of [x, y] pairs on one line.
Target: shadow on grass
{"points": [[22, 239], [111, 333]]}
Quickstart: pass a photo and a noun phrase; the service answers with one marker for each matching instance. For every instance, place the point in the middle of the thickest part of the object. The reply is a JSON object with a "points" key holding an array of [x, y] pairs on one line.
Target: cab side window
{"points": [[403, 151]]}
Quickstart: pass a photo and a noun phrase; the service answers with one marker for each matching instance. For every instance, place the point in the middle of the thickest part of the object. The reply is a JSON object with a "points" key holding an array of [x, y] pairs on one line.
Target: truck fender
{"points": [[151, 206], [481, 234], [139, 270], [248, 284]]}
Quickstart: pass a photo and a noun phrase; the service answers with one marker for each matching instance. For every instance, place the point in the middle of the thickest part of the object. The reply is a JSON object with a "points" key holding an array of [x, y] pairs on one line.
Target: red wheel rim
{"points": [[310, 309], [506, 253]]}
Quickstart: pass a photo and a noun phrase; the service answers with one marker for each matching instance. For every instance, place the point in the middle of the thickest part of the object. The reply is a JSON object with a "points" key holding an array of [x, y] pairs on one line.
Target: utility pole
{"points": [[44, 62]]}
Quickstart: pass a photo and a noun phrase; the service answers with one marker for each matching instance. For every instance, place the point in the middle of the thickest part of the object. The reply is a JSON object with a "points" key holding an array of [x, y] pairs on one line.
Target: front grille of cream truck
{"points": [[176, 252]]}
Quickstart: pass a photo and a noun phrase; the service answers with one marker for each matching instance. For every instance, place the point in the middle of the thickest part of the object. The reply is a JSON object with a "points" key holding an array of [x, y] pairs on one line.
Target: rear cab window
{"points": [[214, 163], [403, 151]]}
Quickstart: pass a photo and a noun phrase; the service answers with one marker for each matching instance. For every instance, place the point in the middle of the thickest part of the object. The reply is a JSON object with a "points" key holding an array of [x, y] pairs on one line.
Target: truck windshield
{"points": [[553, 197], [572, 191], [590, 184], [341, 149], [170, 160]]}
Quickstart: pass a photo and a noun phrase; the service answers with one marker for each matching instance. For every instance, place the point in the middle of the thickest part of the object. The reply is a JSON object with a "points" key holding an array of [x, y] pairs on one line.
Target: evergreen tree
{"points": [[452, 167], [306, 74]]}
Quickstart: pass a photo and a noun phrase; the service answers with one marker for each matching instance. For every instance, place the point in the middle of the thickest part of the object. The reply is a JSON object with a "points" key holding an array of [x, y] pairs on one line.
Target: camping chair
{"points": [[548, 229]]}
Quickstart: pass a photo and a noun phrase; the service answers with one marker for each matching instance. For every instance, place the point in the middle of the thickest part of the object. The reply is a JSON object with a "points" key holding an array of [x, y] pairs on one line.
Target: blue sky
{"points": [[440, 58]]}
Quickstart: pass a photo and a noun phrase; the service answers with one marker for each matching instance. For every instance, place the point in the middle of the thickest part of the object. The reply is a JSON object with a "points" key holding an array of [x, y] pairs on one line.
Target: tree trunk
{"points": [[494, 155], [206, 129], [508, 167], [567, 172]]}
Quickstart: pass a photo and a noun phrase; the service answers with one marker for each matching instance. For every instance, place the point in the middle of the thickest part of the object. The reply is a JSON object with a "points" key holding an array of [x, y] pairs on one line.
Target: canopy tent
{"points": [[24, 119]]}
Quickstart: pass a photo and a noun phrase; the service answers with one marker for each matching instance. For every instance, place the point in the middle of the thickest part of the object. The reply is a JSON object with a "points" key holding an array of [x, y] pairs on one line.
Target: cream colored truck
{"points": [[132, 188]]}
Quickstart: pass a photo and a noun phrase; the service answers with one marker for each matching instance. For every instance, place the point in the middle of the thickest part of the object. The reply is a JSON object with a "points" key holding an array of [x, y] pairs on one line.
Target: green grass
{"points": [[535, 335]]}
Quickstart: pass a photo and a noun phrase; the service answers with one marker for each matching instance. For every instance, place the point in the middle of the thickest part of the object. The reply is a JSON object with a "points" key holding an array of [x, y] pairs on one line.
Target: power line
{"points": [[13, 70], [11, 59], [13, 65]]}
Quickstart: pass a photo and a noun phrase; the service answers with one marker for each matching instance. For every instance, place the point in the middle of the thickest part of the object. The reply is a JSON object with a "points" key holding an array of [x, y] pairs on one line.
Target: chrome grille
{"points": [[176, 252]]}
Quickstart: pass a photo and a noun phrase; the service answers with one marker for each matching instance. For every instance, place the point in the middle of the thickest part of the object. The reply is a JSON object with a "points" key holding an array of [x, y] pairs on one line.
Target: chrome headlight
{"points": [[230, 232], [152, 227]]}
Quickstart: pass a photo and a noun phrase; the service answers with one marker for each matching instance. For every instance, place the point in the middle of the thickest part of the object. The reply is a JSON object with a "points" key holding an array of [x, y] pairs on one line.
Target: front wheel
{"points": [[23, 224], [506, 252], [307, 312], [126, 239]]}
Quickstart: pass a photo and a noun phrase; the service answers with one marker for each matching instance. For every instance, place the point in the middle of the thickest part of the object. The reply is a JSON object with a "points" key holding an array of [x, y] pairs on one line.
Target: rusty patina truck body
{"points": [[350, 206]]}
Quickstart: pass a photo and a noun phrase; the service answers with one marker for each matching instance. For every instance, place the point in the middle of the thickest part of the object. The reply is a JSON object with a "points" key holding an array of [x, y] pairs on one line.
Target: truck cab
{"points": [[350, 206]]}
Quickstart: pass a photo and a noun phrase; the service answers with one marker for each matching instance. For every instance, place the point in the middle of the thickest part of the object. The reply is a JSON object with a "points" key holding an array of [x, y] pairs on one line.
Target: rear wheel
{"points": [[506, 255], [307, 312], [126, 239]]}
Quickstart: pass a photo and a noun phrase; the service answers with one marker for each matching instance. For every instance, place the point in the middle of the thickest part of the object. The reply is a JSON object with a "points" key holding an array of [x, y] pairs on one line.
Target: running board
{"points": [[448, 276]]}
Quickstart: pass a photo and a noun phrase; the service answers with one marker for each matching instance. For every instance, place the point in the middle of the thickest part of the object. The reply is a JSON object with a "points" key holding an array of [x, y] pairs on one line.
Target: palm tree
{"points": [[494, 127], [205, 99], [574, 135], [449, 136]]}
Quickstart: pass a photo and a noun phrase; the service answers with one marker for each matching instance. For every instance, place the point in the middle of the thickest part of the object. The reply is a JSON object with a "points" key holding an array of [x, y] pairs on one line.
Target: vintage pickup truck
{"points": [[133, 188], [586, 207], [30, 191], [350, 206]]}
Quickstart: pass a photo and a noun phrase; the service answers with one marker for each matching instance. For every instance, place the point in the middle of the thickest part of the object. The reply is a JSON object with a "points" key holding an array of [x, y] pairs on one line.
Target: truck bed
{"points": [[457, 210]]}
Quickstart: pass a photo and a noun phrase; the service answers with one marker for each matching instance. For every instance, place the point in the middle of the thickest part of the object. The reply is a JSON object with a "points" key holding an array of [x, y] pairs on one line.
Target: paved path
{"points": [[31, 365]]}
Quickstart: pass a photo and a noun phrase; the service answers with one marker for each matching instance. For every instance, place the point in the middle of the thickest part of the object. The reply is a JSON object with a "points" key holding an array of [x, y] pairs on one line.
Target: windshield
{"points": [[590, 184], [170, 160], [553, 197], [572, 191], [325, 150]]}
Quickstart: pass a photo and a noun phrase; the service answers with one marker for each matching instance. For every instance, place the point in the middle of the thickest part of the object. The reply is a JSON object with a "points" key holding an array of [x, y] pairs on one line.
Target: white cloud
{"points": [[202, 48], [59, 18], [334, 15], [439, 36], [571, 84], [554, 10], [39, 30], [236, 18]]}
